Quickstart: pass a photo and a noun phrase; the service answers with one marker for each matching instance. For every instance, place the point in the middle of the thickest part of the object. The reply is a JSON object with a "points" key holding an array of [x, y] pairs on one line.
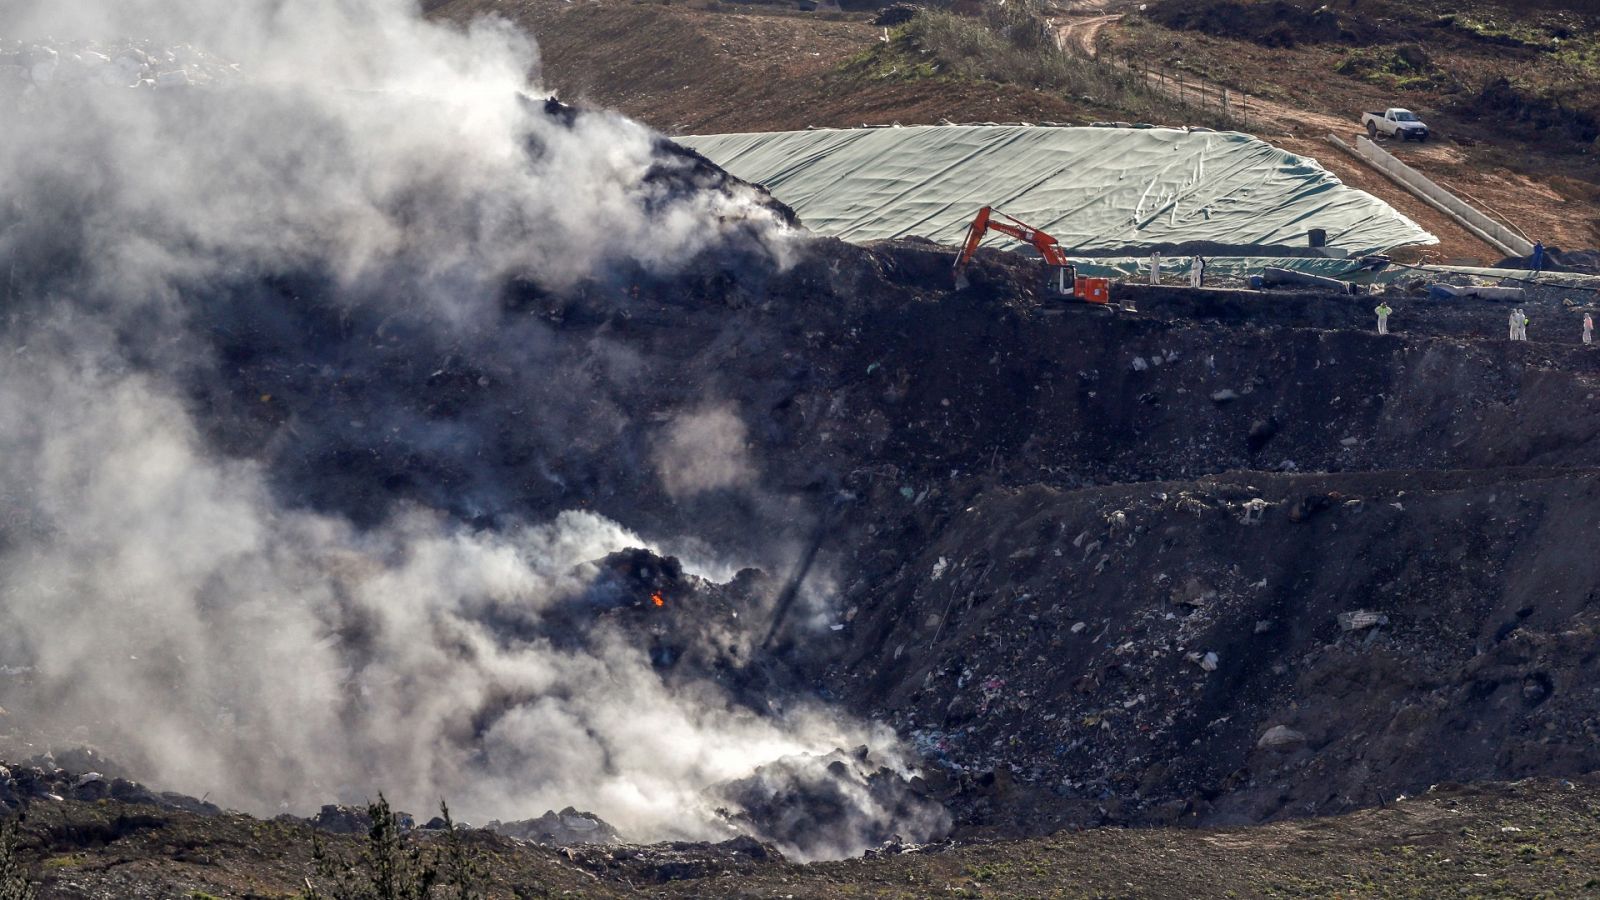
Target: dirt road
{"points": [[1079, 30], [1083, 35]]}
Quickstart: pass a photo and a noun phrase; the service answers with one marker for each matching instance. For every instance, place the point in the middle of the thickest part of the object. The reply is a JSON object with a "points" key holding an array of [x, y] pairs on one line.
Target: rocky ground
{"points": [[1531, 838]]}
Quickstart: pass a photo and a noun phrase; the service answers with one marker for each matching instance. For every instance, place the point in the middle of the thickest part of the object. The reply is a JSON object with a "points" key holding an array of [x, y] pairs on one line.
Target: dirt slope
{"points": [[692, 69], [688, 70], [1535, 180]]}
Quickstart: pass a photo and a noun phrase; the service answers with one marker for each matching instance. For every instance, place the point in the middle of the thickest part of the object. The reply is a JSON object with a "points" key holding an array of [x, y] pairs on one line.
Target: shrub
{"points": [[1402, 67], [14, 883], [391, 867], [1014, 44]]}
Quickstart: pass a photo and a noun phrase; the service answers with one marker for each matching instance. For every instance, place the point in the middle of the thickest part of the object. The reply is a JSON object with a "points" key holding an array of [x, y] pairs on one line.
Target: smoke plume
{"points": [[704, 451], [201, 603]]}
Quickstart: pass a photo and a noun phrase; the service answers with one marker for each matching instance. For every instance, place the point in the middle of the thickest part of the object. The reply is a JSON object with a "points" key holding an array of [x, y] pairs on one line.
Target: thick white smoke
{"points": [[704, 450], [355, 136], [181, 615], [223, 644]]}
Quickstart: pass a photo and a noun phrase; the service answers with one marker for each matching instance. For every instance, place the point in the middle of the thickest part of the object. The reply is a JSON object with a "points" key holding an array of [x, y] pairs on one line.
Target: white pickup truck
{"points": [[1395, 122]]}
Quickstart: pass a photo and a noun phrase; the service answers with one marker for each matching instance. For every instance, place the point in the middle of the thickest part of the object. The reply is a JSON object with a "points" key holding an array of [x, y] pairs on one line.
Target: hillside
{"points": [[1527, 839], [690, 69], [760, 67]]}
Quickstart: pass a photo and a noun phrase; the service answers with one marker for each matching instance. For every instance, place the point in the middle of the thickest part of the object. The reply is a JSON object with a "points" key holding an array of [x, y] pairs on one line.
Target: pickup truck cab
{"points": [[1395, 122]]}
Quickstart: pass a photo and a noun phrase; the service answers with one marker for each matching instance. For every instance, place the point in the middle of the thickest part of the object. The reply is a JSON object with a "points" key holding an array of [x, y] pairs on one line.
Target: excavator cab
{"points": [[1064, 278]]}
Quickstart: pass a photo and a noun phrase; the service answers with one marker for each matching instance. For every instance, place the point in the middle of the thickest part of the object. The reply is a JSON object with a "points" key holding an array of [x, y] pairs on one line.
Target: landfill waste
{"points": [[531, 548], [807, 806], [566, 828]]}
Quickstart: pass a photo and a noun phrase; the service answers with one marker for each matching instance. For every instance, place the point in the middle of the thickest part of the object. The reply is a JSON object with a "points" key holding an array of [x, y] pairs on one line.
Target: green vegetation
{"points": [[1396, 68], [394, 866], [14, 883], [463, 869], [1536, 111], [1008, 44], [1506, 33], [1402, 67], [1570, 43]]}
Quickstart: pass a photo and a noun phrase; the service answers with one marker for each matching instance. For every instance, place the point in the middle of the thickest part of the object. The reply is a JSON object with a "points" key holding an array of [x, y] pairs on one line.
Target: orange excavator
{"points": [[1065, 280]]}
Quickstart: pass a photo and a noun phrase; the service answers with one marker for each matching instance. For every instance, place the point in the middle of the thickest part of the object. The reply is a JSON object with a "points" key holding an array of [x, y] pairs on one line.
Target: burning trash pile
{"points": [[814, 807], [417, 436], [339, 449]]}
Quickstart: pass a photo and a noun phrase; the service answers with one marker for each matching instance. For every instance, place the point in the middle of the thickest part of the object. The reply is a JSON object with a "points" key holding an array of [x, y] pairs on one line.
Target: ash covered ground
{"points": [[646, 507]]}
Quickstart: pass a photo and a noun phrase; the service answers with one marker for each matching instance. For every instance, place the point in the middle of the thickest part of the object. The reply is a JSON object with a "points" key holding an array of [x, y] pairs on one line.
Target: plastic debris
{"points": [[1357, 620]]}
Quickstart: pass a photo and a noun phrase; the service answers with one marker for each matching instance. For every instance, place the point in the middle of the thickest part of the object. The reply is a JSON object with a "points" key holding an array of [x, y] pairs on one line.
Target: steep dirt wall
{"points": [[969, 384], [1066, 637]]}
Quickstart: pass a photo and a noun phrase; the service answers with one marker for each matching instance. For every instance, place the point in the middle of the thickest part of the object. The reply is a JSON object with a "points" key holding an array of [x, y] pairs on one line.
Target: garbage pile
{"points": [[40, 780], [1164, 653], [811, 806], [566, 828], [675, 860]]}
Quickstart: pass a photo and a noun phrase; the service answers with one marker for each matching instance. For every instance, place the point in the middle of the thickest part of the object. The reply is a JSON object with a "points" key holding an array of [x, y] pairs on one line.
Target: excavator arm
{"points": [[990, 219], [975, 233]]}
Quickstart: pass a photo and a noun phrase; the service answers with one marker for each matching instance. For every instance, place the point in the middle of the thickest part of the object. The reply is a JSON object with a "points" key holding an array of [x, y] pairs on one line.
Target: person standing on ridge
{"points": [[1538, 257], [1383, 312], [1588, 328]]}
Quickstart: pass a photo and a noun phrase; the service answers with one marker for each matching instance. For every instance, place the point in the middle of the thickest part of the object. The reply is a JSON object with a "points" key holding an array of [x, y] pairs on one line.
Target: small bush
{"points": [[1004, 46], [391, 867], [14, 883], [1403, 67]]}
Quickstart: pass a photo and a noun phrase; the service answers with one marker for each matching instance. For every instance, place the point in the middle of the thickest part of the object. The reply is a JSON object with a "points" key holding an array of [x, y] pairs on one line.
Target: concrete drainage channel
{"points": [[1493, 233]]}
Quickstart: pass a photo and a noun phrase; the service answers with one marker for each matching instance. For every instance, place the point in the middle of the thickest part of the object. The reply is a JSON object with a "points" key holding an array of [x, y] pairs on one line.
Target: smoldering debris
{"points": [[41, 780], [299, 483], [675, 860], [694, 627], [815, 807], [566, 828]]}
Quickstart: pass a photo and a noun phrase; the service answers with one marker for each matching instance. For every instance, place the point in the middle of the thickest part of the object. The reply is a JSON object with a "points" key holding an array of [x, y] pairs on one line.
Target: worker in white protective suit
{"points": [[1383, 312], [1522, 325], [1588, 328], [1511, 321]]}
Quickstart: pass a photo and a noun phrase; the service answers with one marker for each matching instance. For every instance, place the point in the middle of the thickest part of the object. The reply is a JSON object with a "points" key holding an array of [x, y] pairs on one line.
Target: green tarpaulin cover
{"points": [[1094, 189]]}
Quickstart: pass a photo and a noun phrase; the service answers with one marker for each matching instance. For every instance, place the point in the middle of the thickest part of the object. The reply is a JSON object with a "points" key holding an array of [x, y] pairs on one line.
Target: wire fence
{"points": [[1214, 101]]}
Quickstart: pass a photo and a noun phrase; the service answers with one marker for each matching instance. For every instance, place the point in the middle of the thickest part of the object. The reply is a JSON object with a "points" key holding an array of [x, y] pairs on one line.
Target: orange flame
{"points": [[657, 599]]}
